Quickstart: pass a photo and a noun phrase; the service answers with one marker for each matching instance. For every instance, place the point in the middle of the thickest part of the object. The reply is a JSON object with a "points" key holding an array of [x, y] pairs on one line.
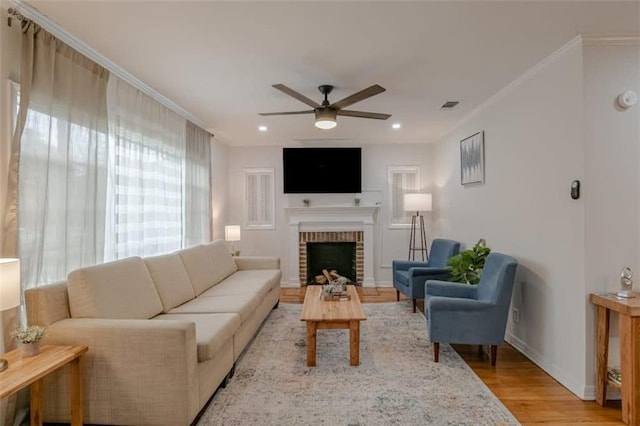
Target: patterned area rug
{"points": [[397, 382]]}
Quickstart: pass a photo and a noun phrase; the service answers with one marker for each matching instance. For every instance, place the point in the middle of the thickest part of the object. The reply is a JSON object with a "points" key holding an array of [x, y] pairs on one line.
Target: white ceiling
{"points": [[218, 60]]}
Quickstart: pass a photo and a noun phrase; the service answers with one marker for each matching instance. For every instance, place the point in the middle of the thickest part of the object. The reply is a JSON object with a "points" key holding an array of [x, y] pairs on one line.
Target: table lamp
{"points": [[232, 233], [9, 290]]}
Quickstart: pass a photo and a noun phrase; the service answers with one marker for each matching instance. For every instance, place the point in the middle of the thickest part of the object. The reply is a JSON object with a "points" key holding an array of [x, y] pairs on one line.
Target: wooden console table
{"points": [[23, 372], [629, 328]]}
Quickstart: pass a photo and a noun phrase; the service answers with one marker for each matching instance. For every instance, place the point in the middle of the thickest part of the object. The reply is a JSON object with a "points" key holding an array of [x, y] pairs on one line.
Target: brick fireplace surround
{"points": [[331, 224]]}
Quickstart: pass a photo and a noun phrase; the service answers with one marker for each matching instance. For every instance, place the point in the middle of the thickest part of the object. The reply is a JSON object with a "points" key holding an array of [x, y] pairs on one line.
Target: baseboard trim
{"points": [[579, 390]]}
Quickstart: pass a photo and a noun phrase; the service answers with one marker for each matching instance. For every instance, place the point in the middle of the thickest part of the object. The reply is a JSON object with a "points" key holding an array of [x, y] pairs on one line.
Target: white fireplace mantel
{"points": [[331, 219]]}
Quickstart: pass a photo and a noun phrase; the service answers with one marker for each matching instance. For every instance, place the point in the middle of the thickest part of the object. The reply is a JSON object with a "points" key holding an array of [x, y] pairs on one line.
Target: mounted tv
{"points": [[322, 170]]}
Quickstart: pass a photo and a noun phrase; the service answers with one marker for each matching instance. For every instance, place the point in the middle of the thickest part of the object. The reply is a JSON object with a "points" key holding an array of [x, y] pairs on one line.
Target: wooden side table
{"points": [[23, 372], [629, 328]]}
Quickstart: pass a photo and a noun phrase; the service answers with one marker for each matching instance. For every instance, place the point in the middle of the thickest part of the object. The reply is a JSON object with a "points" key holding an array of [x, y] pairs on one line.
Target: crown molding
{"points": [[36, 16], [610, 39], [576, 41]]}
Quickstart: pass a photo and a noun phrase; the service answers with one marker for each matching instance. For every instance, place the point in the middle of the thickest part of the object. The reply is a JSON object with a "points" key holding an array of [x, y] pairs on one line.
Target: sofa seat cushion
{"points": [[171, 280], [213, 331], [208, 264], [259, 281], [116, 290], [242, 304]]}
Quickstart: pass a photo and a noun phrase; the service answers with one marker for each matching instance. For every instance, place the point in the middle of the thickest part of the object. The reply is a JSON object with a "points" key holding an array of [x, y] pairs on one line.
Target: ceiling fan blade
{"points": [[362, 114], [298, 96], [310, 111], [358, 96]]}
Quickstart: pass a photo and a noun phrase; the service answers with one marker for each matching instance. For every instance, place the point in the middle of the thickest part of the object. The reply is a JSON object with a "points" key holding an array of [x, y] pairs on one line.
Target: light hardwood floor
{"points": [[525, 389]]}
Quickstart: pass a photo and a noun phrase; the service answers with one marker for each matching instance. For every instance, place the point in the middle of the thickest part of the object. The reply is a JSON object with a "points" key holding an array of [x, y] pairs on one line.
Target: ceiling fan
{"points": [[326, 112]]}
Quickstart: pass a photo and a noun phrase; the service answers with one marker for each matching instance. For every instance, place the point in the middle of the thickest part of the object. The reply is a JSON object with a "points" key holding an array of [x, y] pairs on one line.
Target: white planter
{"points": [[29, 349]]}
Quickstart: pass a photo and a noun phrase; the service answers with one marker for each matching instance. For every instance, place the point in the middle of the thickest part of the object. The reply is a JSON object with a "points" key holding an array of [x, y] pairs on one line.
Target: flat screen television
{"points": [[322, 170]]}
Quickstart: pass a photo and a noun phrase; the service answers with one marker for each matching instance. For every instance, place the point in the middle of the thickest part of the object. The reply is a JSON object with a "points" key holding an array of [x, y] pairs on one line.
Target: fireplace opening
{"points": [[331, 256]]}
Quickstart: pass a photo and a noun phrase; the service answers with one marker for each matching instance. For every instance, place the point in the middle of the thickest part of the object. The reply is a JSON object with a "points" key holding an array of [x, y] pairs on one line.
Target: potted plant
{"points": [[29, 339], [466, 267]]}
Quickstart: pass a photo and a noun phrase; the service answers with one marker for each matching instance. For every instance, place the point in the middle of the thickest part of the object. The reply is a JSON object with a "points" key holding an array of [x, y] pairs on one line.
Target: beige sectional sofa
{"points": [[163, 332]]}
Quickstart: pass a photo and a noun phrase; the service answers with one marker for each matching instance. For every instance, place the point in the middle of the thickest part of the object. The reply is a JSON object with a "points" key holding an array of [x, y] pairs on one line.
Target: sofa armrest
{"points": [[129, 358], [257, 262], [404, 265], [421, 272], [454, 304], [449, 289]]}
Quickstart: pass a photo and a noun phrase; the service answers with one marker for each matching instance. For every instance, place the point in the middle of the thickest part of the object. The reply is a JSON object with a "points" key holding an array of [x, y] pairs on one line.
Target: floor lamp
{"points": [[417, 203]]}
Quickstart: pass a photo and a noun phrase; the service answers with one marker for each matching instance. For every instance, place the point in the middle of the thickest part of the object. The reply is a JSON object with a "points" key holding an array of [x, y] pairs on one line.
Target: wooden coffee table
{"points": [[320, 314]]}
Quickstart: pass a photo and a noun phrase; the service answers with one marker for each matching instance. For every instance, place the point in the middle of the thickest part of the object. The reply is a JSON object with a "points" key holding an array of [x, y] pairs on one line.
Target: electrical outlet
{"points": [[515, 315]]}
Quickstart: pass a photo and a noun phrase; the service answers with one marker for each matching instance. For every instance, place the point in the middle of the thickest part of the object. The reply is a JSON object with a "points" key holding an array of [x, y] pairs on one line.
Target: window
{"points": [[148, 197], [259, 198], [62, 183], [401, 180]]}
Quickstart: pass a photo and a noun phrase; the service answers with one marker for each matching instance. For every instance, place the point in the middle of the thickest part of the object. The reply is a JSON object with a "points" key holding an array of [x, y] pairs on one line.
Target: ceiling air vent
{"points": [[449, 104]]}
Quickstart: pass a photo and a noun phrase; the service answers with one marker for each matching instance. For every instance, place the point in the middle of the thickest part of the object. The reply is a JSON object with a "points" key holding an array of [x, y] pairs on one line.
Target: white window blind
{"points": [[401, 180], [148, 141], [259, 203]]}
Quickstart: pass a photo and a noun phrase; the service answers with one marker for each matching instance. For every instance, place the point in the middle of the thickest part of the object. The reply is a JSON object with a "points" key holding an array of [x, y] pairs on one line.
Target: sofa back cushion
{"points": [[120, 289], [171, 280], [208, 264]]}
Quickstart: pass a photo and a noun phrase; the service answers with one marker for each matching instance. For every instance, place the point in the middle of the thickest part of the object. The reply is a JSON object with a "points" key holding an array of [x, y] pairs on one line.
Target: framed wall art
{"points": [[472, 159]]}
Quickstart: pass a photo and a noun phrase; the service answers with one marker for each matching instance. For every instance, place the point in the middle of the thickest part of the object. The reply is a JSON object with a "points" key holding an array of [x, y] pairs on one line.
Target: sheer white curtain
{"points": [[197, 184], [145, 215], [54, 219], [63, 161]]}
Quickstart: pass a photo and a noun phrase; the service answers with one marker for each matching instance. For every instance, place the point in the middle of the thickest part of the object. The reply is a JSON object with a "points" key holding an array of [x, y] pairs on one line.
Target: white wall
{"points": [[219, 188], [533, 150], [612, 180], [390, 244]]}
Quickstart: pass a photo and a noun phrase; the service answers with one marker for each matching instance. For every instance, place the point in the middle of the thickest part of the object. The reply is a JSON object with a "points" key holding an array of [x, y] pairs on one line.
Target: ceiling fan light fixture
{"points": [[326, 118]]}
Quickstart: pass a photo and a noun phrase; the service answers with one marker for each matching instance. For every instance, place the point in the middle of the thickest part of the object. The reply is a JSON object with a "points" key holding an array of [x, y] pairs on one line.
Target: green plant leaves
{"points": [[466, 267]]}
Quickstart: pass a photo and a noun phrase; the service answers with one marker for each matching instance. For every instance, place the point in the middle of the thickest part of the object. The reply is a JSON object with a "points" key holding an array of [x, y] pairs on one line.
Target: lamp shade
{"points": [[9, 283], [417, 202], [326, 118], [232, 233]]}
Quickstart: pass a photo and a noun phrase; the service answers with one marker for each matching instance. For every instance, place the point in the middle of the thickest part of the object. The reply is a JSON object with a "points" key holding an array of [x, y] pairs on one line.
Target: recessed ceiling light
{"points": [[262, 128], [396, 125]]}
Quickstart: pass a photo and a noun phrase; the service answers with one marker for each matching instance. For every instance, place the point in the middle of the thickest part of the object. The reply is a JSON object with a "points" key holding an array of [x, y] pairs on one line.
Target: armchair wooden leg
{"points": [[480, 351], [494, 354], [436, 351], [414, 306], [397, 295]]}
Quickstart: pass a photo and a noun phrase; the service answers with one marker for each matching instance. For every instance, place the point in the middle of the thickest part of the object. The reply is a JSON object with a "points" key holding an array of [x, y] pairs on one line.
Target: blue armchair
{"points": [[472, 314], [409, 276]]}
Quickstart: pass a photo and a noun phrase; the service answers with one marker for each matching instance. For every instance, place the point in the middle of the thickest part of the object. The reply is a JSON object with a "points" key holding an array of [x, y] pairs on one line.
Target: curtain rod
{"points": [[24, 12]]}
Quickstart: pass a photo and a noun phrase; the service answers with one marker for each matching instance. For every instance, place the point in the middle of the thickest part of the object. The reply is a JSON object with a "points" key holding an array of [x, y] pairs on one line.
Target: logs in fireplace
{"points": [[328, 276]]}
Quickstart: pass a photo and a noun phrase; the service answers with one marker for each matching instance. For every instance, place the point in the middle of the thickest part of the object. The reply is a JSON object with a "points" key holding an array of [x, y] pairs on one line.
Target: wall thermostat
{"points": [[627, 99]]}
